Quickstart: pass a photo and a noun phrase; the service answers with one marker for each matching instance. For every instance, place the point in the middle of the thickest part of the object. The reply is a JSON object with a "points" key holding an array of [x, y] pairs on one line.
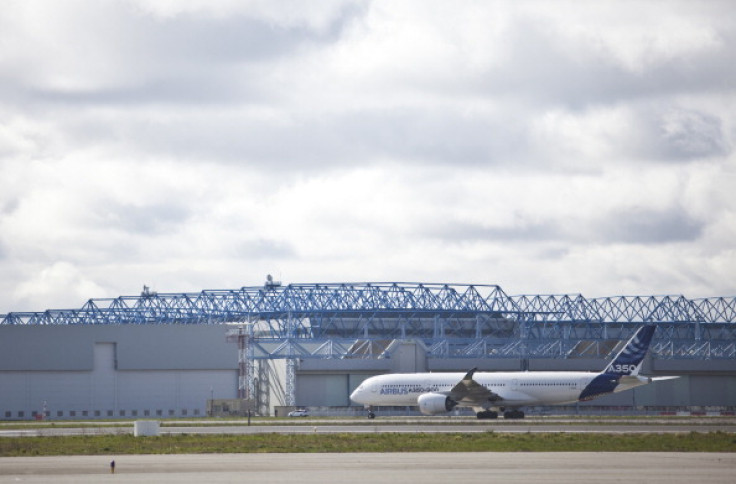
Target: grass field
{"points": [[713, 422], [348, 442]]}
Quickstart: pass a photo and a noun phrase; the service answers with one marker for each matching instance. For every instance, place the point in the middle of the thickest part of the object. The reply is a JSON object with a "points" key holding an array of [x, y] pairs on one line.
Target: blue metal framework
{"points": [[360, 320]]}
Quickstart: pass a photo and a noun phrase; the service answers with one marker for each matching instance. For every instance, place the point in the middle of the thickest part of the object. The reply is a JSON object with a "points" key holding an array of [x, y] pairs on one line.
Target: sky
{"points": [[547, 147]]}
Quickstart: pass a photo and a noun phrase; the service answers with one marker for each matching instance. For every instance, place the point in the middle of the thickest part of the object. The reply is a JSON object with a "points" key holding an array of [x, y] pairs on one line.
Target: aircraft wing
{"points": [[470, 391], [661, 378]]}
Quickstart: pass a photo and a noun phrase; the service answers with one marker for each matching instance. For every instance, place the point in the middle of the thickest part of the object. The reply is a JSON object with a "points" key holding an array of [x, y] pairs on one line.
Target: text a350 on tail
{"points": [[489, 393]]}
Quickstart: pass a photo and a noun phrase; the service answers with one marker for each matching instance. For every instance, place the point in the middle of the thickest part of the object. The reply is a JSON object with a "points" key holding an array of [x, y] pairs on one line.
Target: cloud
{"points": [[692, 134], [44, 284], [648, 227], [626, 226], [631, 134], [111, 53], [143, 220], [190, 144], [612, 54], [320, 15]]}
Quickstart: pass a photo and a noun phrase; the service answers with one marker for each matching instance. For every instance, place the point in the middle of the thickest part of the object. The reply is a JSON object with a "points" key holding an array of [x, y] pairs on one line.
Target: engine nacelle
{"points": [[435, 403]]}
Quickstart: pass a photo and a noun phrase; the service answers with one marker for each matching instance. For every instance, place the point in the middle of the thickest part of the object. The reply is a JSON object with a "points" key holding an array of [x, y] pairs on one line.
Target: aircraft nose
{"points": [[357, 395]]}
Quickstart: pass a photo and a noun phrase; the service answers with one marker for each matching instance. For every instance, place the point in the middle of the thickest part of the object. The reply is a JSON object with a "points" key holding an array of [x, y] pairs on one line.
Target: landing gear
{"points": [[486, 414], [513, 414], [371, 415]]}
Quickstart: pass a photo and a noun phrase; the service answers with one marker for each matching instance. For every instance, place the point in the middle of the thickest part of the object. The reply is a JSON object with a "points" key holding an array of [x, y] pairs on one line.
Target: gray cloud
{"points": [[620, 226], [264, 248], [167, 72], [459, 232], [111, 54], [201, 141], [692, 134], [647, 226], [9, 206], [542, 66], [148, 219], [352, 139]]}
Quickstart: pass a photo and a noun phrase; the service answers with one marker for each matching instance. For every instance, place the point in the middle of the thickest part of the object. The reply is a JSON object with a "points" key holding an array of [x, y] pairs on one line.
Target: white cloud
{"points": [[317, 15], [190, 145], [44, 284], [636, 36]]}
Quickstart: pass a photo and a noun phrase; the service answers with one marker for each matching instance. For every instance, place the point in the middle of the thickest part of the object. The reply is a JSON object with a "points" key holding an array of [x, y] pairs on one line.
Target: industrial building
{"points": [[272, 346]]}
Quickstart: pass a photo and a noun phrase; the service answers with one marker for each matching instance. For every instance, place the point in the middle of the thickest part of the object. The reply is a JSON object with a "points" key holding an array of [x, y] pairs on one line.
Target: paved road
{"points": [[318, 427], [426, 468], [516, 428]]}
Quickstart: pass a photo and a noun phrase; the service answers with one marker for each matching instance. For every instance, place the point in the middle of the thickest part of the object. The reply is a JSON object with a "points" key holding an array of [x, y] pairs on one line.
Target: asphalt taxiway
{"points": [[361, 468], [529, 425]]}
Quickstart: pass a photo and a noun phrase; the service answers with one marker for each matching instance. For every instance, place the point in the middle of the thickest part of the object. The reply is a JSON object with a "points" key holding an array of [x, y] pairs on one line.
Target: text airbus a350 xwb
{"points": [[489, 393]]}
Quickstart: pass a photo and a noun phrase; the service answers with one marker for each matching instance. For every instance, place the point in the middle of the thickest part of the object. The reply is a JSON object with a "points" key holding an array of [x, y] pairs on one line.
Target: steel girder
{"points": [[451, 320]]}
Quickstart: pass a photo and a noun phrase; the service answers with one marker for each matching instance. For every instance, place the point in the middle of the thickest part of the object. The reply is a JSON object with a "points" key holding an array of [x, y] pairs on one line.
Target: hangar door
{"points": [[322, 390]]}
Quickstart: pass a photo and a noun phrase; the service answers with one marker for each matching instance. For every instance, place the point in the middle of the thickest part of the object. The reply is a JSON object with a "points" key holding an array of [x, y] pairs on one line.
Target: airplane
{"points": [[489, 393]]}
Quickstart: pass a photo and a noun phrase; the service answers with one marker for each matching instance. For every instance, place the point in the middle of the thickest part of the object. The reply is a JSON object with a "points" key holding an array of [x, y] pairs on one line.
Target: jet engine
{"points": [[435, 403]]}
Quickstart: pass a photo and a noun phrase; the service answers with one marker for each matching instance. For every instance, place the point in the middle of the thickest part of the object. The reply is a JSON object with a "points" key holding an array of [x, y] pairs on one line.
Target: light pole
{"points": [[212, 402]]}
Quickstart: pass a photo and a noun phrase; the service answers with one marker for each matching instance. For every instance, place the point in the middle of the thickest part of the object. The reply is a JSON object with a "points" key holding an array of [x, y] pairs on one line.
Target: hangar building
{"points": [[272, 346]]}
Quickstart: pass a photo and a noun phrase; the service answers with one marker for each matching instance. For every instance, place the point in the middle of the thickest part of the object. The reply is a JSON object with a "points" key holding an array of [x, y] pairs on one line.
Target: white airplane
{"points": [[489, 393]]}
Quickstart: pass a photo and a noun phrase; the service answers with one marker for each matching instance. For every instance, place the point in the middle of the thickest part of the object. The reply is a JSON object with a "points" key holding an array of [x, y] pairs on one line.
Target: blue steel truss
{"points": [[361, 320]]}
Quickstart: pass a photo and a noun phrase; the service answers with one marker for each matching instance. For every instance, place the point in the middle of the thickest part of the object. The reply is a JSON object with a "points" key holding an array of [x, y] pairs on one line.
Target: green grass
{"points": [[384, 421], [380, 442]]}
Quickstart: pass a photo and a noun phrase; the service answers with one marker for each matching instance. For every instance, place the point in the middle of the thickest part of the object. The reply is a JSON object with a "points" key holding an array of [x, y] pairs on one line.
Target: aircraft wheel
{"points": [[371, 415], [487, 414], [513, 414]]}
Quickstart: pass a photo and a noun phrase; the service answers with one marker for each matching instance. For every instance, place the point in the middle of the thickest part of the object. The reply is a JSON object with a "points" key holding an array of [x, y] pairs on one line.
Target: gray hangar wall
{"points": [[153, 371], [114, 371]]}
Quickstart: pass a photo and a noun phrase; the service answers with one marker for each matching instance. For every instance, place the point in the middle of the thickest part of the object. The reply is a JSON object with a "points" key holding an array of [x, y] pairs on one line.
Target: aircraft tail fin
{"points": [[623, 371], [629, 359]]}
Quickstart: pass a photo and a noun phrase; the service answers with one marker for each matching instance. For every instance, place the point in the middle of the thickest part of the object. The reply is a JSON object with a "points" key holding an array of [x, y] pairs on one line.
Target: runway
{"points": [[359, 468], [366, 468], [516, 428], [529, 425]]}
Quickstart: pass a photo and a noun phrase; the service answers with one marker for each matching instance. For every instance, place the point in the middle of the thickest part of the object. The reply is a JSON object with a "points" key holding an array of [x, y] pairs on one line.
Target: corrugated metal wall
{"points": [[171, 370]]}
